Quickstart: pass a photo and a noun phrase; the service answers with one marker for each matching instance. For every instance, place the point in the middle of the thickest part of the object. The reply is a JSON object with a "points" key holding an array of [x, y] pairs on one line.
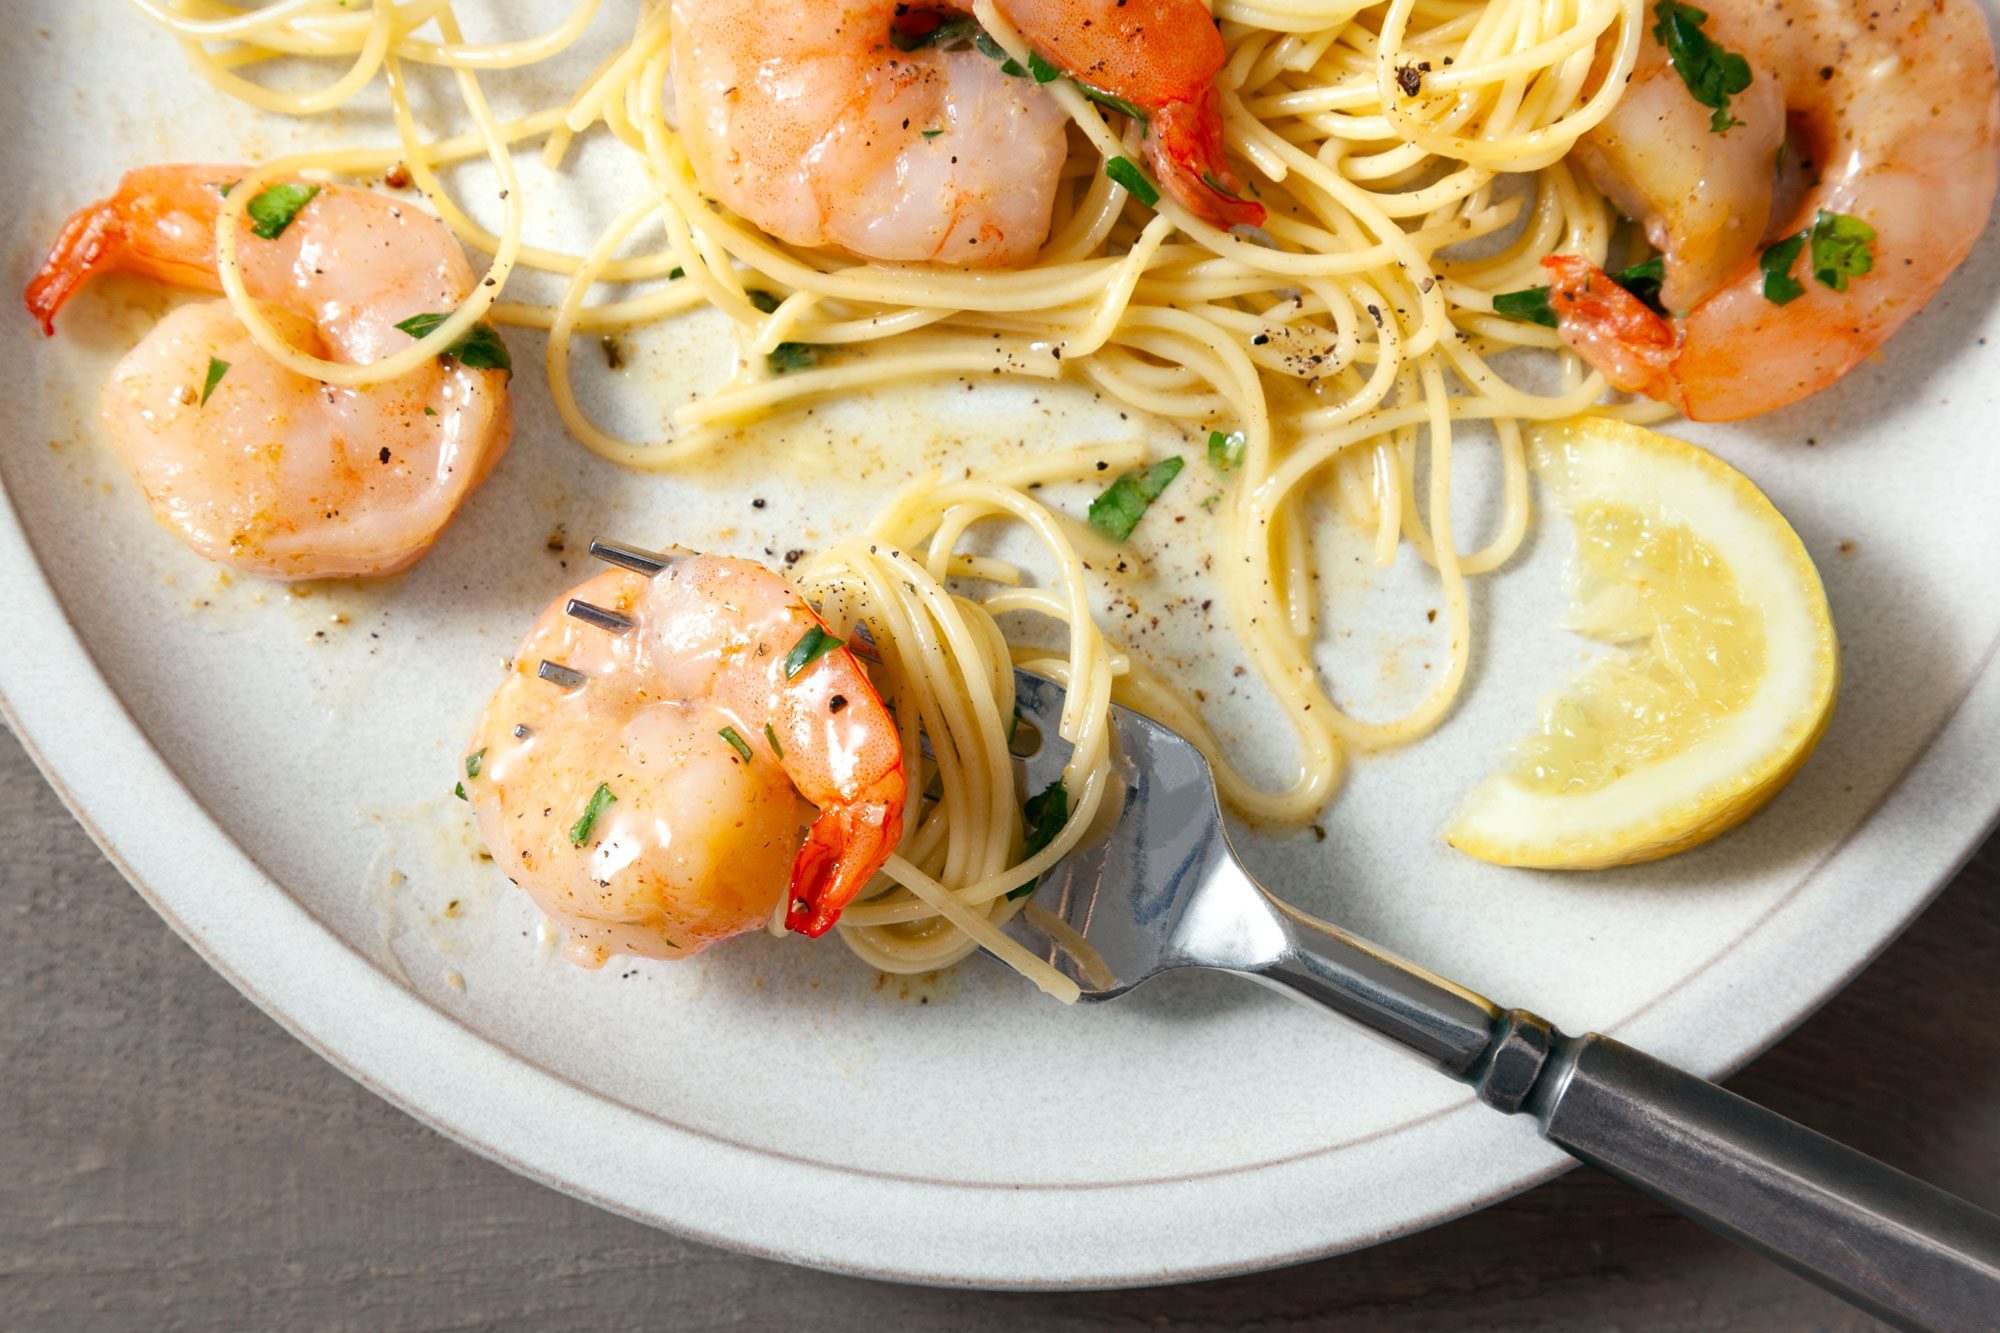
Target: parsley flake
{"points": [[1780, 287], [1712, 74], [1118, 104], [951, 34], [737, 743], [1121, 170], [1214, 182], [473, 761], [1042, 817], [992, 50], [479, 348], [777, 750], [791, 356], [1225, 452], [579, 832], [275, 206], [1643, 281], [814, 644], [1531, 305], [1843, 247], [217, 368], [1116, 512]]}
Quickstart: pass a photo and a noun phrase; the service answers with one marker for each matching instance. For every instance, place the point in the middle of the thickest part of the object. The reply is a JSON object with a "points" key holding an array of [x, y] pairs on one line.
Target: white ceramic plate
{"points": [[271, 770]]}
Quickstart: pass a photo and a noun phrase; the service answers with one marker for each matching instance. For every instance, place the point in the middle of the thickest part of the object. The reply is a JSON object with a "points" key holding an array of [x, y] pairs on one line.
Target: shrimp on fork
{"points": [[646, 768], [250, 463]]}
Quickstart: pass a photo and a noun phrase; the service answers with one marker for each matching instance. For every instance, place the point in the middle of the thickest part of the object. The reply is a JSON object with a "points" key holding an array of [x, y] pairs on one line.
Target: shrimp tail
{"points": [[1184, 145], [844, 848], [94, 238], [161, 223], [1613, 330]]}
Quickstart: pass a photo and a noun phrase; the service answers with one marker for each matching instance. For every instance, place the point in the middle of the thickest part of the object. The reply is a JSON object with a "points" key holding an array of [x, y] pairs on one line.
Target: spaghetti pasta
{"points": [[1410, 155]]}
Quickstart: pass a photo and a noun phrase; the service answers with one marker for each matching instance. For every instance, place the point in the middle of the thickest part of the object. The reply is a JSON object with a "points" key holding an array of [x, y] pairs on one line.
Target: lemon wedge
{"points": [[1723, 673]]}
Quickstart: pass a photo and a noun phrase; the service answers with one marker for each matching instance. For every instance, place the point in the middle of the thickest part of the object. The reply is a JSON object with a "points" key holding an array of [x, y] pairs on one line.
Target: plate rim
{"points": [[128, 798]]}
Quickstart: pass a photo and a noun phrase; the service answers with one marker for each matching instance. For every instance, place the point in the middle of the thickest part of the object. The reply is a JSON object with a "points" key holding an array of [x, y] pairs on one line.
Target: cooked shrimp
{"points": [[806, 118], [802, 117], [1703, 196], [1896, 108], [1161, 56], [656, 807], [252, 464]]}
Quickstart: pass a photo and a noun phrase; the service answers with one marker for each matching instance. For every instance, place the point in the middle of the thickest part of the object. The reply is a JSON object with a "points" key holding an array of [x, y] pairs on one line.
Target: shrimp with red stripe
{"points": [[675, 757]]}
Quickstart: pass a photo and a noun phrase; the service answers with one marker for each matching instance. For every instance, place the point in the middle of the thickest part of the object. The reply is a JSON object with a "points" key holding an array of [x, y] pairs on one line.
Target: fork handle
{"points": [[1905, 1251]]}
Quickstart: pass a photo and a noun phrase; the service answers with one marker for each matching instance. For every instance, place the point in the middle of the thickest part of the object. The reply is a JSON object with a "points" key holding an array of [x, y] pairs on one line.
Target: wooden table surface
{"points": [[169, 1158]]}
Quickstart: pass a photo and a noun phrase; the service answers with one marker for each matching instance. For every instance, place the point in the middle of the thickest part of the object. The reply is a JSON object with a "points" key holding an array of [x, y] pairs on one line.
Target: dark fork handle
{"points": [[1903, 1250]]}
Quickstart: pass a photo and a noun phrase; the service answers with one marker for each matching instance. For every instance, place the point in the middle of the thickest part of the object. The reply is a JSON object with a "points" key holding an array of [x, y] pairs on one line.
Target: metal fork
{"points": [[1161, 889]]}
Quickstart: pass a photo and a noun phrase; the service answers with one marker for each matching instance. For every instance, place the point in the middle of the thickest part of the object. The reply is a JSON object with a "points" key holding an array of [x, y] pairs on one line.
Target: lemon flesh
{"points": [[1722, 676]]}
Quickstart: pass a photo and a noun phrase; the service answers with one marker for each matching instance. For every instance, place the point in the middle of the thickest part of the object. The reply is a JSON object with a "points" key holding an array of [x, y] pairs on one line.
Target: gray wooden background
{"points": [[170, 1159]]}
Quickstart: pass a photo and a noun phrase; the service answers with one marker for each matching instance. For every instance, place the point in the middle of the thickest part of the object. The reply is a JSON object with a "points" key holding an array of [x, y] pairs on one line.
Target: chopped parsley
{"points": [[1209, 179], [579, 832], [788, 355], [777, 750], [676, 272], [1531, 305], [958, 33], [791, 356], [1712, 74], [931, 134], [1116, 512], [737, 743], [479, 348], [1225, 452], [217, 368], [430, 411], [1042, 817], [275, 206], [992, 50], [1118, 104], [473, 761], [1780, 287], [458, 790], [1121, 170], [1843, 247], [1643, 281], [947, 35], [814, 644]]}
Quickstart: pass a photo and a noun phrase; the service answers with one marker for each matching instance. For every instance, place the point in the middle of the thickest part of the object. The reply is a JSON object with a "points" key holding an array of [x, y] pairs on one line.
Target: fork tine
{"points": [[635, 558], [642, 561], [557, 674], [602, 617]]}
